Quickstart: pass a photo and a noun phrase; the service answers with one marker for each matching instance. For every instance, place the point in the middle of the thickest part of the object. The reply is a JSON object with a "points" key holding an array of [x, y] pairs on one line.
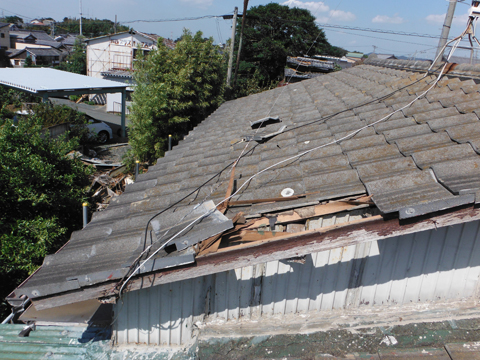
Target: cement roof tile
{"points": [[408, 131], [413, 144], [435, 114], [451, 121], [459, 99], [373, 154], [427, 158]]}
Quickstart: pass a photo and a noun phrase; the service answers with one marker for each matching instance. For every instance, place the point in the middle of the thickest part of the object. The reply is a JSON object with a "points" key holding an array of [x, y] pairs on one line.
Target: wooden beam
{"points": [[306, 213]]}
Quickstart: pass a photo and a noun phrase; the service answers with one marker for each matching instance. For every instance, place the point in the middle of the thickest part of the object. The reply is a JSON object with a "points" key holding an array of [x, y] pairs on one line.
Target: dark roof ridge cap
{"points": [[399, 64], [465, 70]]}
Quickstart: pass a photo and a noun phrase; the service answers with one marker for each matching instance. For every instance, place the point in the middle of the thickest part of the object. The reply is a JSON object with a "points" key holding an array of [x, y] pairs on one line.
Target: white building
{"points": [[112, 54]]}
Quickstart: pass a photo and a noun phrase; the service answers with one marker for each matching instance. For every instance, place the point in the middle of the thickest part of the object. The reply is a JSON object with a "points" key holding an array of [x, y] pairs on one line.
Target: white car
{"points": [[102, 130]]}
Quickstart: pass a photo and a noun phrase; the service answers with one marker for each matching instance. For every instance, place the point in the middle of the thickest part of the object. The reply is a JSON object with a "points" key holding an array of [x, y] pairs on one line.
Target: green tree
{"points": [[90, 27], [273, 32], [76, 61], [175, 90], [12, 19], [40, 204]]}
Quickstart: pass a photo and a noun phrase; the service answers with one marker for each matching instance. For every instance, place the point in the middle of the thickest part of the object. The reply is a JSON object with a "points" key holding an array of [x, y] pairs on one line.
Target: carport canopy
{"points": [[46, 82]]}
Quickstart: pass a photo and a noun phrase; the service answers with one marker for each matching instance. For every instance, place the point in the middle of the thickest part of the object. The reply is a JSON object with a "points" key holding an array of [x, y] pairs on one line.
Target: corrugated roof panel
{"points": [[53, 342], [40, 80], [431, 267]]}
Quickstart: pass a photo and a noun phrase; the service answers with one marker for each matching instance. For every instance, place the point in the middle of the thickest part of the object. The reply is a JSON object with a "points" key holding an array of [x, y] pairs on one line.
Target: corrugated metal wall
{"points": [[432, 265]]}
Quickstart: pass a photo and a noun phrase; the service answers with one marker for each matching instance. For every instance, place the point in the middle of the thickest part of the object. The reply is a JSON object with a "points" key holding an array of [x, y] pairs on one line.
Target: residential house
{"points": [[355, 56], [37, 22], [38, 45], [301, 68], [343, 62], [353, 194], [4, 36], [29, 37], [385, 56], [112, 57], [39, 55]]}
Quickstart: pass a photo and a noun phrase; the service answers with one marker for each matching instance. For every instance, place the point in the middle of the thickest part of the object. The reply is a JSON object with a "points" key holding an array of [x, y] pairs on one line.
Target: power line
{"points": [[391, 32], [380, 38], [14, 13], [178, 19]]}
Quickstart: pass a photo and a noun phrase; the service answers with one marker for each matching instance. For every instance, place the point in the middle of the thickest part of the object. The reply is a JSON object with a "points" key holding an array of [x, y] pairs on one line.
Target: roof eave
{"points": [[292, 245]]}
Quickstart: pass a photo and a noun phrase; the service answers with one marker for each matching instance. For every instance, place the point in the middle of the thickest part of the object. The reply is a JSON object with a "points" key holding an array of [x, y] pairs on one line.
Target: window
{"points": [[2, 35]]}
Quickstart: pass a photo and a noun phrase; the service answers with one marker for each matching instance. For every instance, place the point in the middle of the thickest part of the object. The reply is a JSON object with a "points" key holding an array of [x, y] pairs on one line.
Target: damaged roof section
{"points": [[291, 173], [85, 261]]}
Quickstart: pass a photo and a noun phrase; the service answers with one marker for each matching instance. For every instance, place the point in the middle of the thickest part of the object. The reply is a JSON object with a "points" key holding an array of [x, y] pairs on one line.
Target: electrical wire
{"points": [[177, 19], [219, 174], [336, 141]]}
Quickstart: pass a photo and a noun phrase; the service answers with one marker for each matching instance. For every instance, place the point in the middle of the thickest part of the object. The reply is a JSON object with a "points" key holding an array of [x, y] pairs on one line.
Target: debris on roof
{"points": [[365, 139]]}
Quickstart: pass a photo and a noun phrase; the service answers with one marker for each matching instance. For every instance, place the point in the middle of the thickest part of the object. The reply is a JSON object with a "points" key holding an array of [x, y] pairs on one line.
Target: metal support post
{"points": [[85, 214], [137, 164], [124, 106], [169, 142], [232, 46], [446, 29]]}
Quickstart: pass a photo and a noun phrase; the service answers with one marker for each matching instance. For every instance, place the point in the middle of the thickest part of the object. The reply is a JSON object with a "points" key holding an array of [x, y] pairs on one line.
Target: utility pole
{"points": [[446, 29], [80, 17], [245, 5], [115, 25], [232, 45], [374, 48]]}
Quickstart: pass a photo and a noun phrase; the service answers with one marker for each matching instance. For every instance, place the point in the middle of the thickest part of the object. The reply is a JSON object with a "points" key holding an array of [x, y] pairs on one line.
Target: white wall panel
{"points": [[428, 266]]}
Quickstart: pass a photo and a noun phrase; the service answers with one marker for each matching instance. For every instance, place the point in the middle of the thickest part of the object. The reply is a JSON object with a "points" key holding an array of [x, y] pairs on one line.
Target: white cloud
{"points": [[314, 7], [435, 19], [341, 15], [438, 19], [384, 19], [201, 4], [320, 7]]}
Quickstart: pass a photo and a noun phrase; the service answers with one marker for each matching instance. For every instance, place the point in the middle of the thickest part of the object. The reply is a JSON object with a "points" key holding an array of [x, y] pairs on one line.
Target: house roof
{"points": [[38, 34], [117, 73], [385, 56], [419, 160], [3, 24], [120, 34], [310, 64], [43, 51], [354, 55]]}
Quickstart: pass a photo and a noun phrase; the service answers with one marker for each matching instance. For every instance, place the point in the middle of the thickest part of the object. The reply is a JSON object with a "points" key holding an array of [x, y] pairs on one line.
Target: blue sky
{"points": [[420, 16]]}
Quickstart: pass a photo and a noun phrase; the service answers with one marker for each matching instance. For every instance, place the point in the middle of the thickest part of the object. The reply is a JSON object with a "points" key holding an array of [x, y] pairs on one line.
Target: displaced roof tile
{"points": [[427, 158]]}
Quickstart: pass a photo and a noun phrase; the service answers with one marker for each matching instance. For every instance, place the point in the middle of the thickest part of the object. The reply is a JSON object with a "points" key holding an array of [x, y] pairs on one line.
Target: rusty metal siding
{"points": [[427, 266]]}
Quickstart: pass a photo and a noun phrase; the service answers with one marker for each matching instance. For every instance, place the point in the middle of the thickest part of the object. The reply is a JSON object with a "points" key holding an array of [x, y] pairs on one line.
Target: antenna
{"points": [[374, 48], [80, 17]]}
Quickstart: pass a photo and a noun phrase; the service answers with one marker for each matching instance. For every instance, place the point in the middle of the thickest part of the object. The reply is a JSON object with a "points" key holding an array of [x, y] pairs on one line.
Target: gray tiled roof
{"points": [[421, 160], [38, 34]]}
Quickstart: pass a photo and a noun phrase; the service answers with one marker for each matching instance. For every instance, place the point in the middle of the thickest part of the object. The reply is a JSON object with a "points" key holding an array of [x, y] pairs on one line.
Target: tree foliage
{"points": [[273, 32], [90, 27], [175, 90], [76, 61], [12, 19], [41, 195]]}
